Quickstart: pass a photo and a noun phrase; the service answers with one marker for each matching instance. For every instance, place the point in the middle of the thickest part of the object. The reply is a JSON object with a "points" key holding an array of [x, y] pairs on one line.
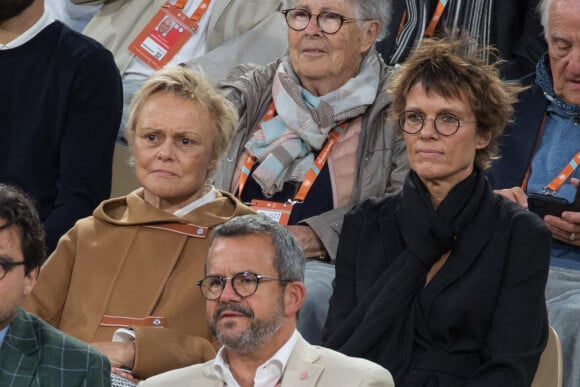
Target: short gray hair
{"points": [[544, 11], [289, 260], [364, 9]]}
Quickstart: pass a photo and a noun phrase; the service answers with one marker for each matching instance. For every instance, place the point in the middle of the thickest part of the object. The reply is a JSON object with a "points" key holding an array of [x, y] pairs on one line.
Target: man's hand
{"points": [[515, 194], [308, 240], [567, 227], [121, 354]]}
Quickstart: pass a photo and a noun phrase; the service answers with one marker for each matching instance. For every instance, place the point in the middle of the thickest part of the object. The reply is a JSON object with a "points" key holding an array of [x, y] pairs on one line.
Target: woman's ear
{"points": [[370, 31], [483, 139], [294, 297]]}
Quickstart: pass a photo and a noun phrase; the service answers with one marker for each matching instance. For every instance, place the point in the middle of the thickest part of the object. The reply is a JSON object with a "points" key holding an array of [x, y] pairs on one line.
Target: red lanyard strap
{"points": [[197, 14]]}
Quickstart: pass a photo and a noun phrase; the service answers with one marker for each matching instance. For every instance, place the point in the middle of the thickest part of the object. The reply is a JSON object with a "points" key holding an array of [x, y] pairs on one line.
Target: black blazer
{"points": [[516, 145], [486, 303]]}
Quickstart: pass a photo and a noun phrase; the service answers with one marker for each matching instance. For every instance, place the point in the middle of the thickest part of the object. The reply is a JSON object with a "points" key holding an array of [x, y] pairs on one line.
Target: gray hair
{"points": [[364, 9], [543, 7], [544, 11], [289, 260]]}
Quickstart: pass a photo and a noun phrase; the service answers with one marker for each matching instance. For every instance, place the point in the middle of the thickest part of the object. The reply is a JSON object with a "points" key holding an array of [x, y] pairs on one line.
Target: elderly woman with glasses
{"points": [[313, 138], [443, 284]]}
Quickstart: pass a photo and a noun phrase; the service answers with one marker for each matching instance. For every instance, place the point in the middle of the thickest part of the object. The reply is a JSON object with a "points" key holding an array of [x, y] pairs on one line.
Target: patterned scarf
{"points": [[285, 144], [544, 82], [471, 17]]}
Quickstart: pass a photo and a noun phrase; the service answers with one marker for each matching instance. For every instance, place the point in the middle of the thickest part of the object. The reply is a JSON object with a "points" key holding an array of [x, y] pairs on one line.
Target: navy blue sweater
{"points": [[60, 109]]}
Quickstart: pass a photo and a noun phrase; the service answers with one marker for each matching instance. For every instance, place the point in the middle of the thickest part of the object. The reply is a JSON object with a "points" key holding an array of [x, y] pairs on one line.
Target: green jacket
{"points": [[36, 354]]}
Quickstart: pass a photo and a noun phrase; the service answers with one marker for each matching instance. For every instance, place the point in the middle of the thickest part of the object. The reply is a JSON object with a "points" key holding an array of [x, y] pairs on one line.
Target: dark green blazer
{"points": [[36, 354]]}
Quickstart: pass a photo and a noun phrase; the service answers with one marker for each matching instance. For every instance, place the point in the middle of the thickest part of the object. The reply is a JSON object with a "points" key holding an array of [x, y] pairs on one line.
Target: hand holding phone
{"points": [[552, 205]]}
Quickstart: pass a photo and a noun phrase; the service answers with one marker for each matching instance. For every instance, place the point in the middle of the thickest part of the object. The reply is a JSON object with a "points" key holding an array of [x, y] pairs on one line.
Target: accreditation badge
{"points": [[162, 37], [279, 212]]}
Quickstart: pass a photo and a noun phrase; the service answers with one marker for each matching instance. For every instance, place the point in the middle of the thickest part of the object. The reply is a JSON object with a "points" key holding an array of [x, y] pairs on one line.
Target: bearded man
{"points": [[254, 290]]}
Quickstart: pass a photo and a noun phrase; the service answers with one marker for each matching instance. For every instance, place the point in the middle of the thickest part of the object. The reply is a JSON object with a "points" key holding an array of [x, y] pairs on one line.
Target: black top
{"points": [[481, 320], [60, 104]]}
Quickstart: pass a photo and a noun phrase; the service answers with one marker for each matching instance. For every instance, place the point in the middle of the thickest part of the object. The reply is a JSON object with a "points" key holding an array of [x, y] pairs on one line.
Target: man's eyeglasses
{"points": [[328, 22], [5, 267], [446, 124], [244, 284]]}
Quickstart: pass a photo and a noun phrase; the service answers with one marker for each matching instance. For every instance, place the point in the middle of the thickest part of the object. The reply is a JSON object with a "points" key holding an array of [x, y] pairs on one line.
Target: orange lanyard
{"points": [[561, 177], [319, 162], [430, 31], [197, 14], [312, 173], [559, 180], [250, 160]]}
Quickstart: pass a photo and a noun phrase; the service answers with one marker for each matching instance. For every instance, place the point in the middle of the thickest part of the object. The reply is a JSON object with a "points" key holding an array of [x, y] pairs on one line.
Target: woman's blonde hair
{"points": [[190, 85]]}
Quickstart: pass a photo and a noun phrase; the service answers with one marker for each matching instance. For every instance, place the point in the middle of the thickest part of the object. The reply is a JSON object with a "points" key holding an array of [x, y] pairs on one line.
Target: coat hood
{"points": [[132, 210]]}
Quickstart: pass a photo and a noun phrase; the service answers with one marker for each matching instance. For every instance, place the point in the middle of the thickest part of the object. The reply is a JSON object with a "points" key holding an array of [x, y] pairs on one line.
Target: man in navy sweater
{"points": [[60, 108]]}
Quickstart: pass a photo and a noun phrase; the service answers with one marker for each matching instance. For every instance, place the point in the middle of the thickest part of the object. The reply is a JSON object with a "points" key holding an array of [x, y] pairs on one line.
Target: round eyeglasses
{"points": [[244, 284], [328, 22], [446, 124], [5, 267]]}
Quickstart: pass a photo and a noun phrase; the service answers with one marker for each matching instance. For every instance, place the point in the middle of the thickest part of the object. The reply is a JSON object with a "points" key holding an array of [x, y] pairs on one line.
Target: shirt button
{"points": [[156, 322]]}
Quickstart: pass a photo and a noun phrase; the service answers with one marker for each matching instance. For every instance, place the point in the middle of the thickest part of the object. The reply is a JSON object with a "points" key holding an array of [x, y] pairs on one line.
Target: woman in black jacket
{"points": [[443, 284]]}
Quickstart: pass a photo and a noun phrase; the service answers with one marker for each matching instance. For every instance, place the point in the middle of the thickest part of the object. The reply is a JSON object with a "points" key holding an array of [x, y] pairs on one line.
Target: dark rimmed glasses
{"points": [[244, 284], [5, 267], [328, 22], [446, 124]]}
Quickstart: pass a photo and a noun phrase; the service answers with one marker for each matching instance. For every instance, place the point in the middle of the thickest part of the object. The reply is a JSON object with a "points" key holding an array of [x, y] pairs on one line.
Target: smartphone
{"points": [[552, 205]]}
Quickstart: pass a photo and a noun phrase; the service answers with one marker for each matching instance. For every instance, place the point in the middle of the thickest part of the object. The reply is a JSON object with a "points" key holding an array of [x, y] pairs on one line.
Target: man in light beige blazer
{"points": [[254, 290]]}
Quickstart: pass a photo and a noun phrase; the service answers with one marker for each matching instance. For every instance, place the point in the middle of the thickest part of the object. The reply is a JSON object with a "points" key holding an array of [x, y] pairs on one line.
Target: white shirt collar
{"points": [[30, 33], [267, 375], [208, 197]]}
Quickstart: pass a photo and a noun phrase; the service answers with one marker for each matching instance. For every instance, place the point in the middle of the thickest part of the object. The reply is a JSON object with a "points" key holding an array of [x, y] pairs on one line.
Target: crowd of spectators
{"points": [[393, 144]]}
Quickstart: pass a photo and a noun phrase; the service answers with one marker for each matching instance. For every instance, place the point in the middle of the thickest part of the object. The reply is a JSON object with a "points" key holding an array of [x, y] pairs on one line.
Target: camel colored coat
{"points": [[114, 263]]}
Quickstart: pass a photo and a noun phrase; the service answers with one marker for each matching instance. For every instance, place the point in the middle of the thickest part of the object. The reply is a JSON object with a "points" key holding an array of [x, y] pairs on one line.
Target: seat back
{"points": [[549, 372], [123, 180]]}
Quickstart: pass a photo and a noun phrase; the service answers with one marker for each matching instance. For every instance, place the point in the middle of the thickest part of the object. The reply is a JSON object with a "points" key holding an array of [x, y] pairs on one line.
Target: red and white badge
{"points": [[166, 33], [279, 212]]}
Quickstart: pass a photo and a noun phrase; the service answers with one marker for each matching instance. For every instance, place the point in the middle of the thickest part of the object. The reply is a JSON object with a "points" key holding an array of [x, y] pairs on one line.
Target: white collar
{"points": [[267, 374], [30, 33], [208, 197]]}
